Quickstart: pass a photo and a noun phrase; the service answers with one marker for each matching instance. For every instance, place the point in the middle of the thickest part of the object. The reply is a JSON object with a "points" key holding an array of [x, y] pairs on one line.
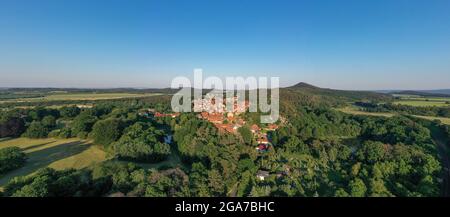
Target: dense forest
{"points": [[317, 151]]}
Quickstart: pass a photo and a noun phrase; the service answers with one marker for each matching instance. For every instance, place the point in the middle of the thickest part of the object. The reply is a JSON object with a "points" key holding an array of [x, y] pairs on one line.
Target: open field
{"points": [[439, 99], [421, 103], [414, 100], [80, 96], [443, 120], [354, 110], [405, 95], [62, 154], [55, 153]]}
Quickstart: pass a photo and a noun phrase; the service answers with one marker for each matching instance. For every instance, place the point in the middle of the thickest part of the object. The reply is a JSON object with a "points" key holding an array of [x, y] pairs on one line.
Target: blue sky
{"points": [[370, 44]]}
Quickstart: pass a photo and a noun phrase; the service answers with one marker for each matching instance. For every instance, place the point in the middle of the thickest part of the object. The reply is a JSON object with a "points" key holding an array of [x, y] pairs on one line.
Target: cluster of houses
{"points": [[229, 122], [225, 123], [223, 118], [212, 105], [261, 136], [264, 146]]}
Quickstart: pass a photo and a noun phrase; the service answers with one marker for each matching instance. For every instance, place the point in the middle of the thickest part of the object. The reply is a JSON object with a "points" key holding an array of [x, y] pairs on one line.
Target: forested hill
{"points": [[430, 93], [347, 95], [303, 94]]}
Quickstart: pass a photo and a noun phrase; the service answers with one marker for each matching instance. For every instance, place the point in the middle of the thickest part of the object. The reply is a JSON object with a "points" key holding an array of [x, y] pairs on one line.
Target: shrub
{"points": [[65, 133], [11, 158], [107, 131], [82, 135], [36, 130]]}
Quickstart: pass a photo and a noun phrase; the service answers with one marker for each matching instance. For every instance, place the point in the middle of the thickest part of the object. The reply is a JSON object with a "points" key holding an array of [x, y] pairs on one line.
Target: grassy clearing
{"points": [[413, 100], [4, 139], [443, 120], [55, 153], [354, 111], [444, 99], [81, 96], [405, 95], [421, 103], [31, 145], [62, 154]]}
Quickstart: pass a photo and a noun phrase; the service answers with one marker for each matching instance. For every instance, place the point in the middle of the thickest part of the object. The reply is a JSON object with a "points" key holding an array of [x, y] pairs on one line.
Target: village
{"points": [[228, 121]]}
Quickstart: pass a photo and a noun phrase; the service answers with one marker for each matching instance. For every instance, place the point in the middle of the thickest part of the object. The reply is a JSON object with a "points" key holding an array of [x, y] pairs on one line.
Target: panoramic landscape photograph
{"points": [[224, 99]]}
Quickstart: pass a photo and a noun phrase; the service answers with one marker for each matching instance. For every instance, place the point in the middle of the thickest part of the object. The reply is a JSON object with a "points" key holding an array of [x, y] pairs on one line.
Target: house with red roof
{"points": [[226, 128], [255, 129], [215, 118], [262, 140], [272, 127]]}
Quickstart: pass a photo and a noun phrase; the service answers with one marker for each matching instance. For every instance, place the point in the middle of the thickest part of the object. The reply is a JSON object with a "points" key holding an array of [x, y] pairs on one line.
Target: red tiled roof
{"points": [[215, 117], [272, 127], [226, 127], [157, 114], [205, 115], [262, 147], [255, 127]]}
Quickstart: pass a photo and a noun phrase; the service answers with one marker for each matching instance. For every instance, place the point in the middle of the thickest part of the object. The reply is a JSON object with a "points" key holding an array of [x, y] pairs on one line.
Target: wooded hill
{"points": [[303, 94], [424, 93]]}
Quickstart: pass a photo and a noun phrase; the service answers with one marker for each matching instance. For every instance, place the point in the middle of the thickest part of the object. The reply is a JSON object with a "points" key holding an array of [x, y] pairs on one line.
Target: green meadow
{"points": [[55, 153], [355, 111], [441, 119], [423, 103], [413, 100]]}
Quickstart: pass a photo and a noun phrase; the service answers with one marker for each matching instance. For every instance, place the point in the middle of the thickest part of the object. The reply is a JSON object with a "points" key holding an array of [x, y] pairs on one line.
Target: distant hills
{"points": [[348, 95], [90, 90], [304, 85], [301, 88], [435, 93], [304, 94], [441, 91], [300, 93]]}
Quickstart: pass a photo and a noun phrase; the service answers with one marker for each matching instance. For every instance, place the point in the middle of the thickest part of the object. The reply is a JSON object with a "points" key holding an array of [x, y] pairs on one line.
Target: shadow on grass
{"points": [[6, 139], [37, 146], [43, 158]]}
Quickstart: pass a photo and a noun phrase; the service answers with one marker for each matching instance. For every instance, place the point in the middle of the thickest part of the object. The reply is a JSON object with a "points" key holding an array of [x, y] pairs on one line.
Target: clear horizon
{"points": [[350, 44]]}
